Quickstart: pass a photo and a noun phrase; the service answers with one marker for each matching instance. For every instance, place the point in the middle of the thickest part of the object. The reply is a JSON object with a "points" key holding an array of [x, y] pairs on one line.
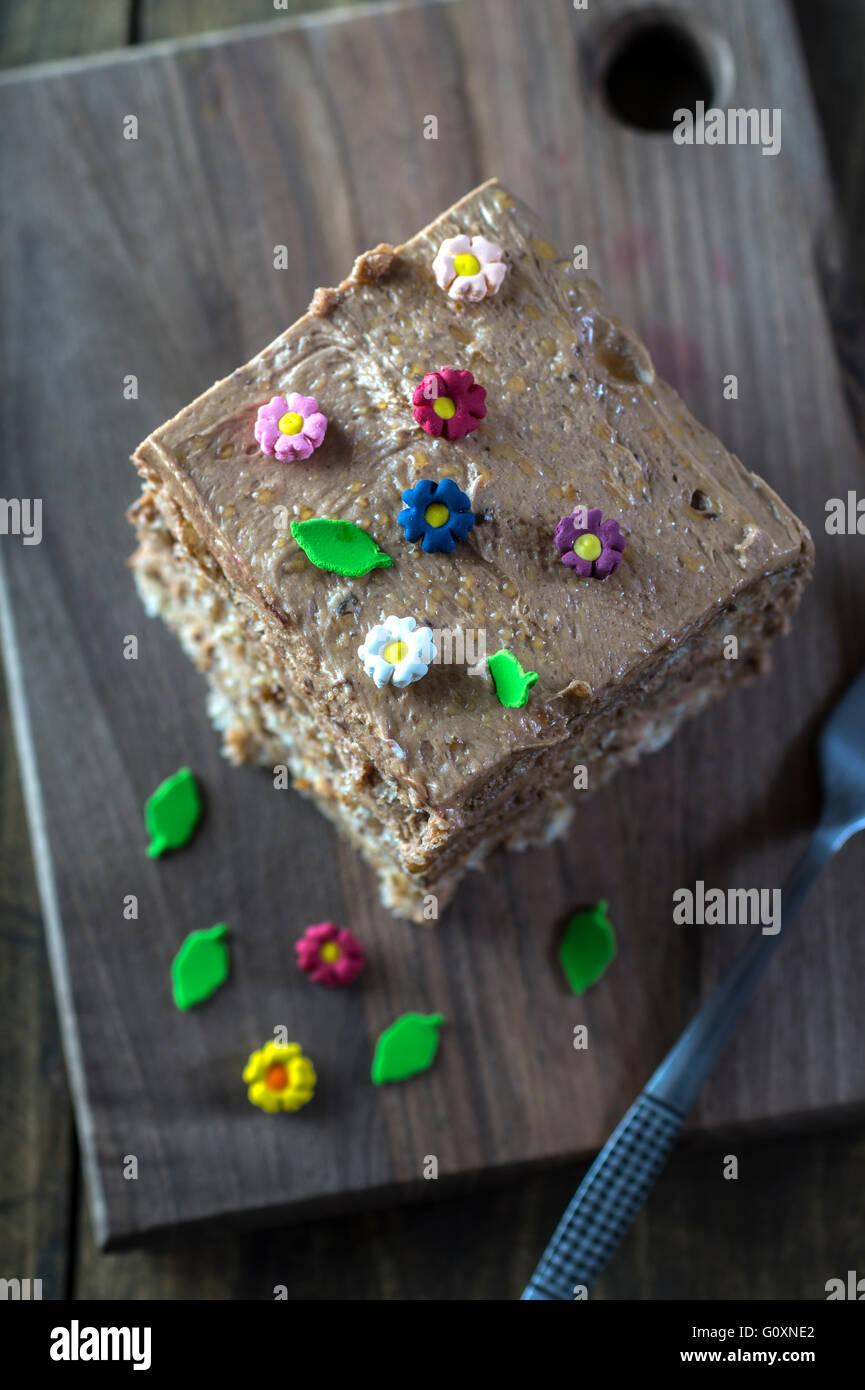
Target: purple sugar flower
{"points": [[290, 427], [588, 544]]}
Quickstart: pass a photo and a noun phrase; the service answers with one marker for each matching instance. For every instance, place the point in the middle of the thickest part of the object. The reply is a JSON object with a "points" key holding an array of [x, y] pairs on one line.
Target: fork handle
{"points": [[607, 1200]]}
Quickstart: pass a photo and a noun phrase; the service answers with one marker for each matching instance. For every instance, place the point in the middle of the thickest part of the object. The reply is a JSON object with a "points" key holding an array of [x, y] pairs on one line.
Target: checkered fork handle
{"points": [[607, 1200]]}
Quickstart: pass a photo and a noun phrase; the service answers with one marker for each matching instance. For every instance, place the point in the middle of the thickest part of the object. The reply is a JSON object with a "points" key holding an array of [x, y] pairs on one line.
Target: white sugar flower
{"points": [[395, 651], [469, 269]]}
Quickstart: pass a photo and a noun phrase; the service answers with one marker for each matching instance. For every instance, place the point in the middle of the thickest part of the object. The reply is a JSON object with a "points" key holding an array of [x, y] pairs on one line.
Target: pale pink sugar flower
{"points": [[469, 269], [290, 427]]}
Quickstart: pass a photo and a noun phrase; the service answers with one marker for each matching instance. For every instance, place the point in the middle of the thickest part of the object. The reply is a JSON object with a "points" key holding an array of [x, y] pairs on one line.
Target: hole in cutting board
{"points": [[656, 62]]}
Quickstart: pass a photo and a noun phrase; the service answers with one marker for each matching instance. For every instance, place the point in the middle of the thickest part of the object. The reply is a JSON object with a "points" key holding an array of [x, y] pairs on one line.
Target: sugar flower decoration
{"points": [[588, 544], [394, 651], [279, 1077], [437, 514], [330, 955], [449, 403], [469, 269], [290, 427]]}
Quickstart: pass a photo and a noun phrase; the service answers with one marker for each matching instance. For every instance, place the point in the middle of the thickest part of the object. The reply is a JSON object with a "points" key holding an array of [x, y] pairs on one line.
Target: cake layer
{"points": [[428, 779], [575, 415]]}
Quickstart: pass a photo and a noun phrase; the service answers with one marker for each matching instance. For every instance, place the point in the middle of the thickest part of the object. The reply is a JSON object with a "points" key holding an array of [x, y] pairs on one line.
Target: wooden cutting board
{"points": [[154, 258]]}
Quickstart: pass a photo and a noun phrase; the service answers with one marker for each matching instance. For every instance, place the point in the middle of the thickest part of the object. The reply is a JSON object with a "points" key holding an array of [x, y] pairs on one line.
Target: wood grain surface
{"points": [[680, 239]]}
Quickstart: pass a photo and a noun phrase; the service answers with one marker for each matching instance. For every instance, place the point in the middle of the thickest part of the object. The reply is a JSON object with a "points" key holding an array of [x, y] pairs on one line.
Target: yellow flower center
{"points": [[588, 547], [330, 952], [276, 1078], [466, 264], [444, 407], [436, 514], [290, 422], [395, 652]]}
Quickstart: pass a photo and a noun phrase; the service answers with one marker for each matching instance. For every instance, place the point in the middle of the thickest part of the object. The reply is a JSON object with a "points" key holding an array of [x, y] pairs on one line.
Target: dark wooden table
{"points": [[796, 1216]]}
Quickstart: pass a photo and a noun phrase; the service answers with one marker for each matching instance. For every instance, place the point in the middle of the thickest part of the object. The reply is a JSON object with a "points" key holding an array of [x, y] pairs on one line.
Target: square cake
{"points": [[590, 529]]}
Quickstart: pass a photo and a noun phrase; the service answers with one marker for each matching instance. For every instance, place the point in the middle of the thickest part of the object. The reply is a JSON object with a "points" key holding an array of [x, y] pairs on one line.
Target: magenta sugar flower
{"points": [[588, 544], [290, 427], [330, 955], [449, 403]]}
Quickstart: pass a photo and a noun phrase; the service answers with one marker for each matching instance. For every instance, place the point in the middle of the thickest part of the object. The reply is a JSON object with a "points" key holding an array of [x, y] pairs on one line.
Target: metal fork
{"points": [[618, 1182]]}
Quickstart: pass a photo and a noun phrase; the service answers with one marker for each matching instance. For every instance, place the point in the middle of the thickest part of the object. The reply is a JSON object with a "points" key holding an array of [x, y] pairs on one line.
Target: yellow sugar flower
{"points": [[279, 1077]]}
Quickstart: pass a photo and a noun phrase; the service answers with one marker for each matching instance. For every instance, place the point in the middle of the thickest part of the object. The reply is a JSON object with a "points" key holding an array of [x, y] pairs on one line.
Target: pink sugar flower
{"points": [[330, 955], [290, 428], [449, 403]]}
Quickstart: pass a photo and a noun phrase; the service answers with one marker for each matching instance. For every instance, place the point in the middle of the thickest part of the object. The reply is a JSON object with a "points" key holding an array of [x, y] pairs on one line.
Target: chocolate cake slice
{"points": [[591, 528]]}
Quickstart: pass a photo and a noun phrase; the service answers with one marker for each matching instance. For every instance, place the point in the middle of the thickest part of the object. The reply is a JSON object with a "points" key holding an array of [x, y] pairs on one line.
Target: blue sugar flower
{"points": [[438, 514]]}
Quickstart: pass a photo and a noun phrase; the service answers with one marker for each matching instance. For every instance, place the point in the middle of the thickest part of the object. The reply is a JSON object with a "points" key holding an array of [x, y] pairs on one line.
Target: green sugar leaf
{"points": [[588, 946], [172, 813], [339, 546], [200, 966], [511, 681], [407, 1047]]}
